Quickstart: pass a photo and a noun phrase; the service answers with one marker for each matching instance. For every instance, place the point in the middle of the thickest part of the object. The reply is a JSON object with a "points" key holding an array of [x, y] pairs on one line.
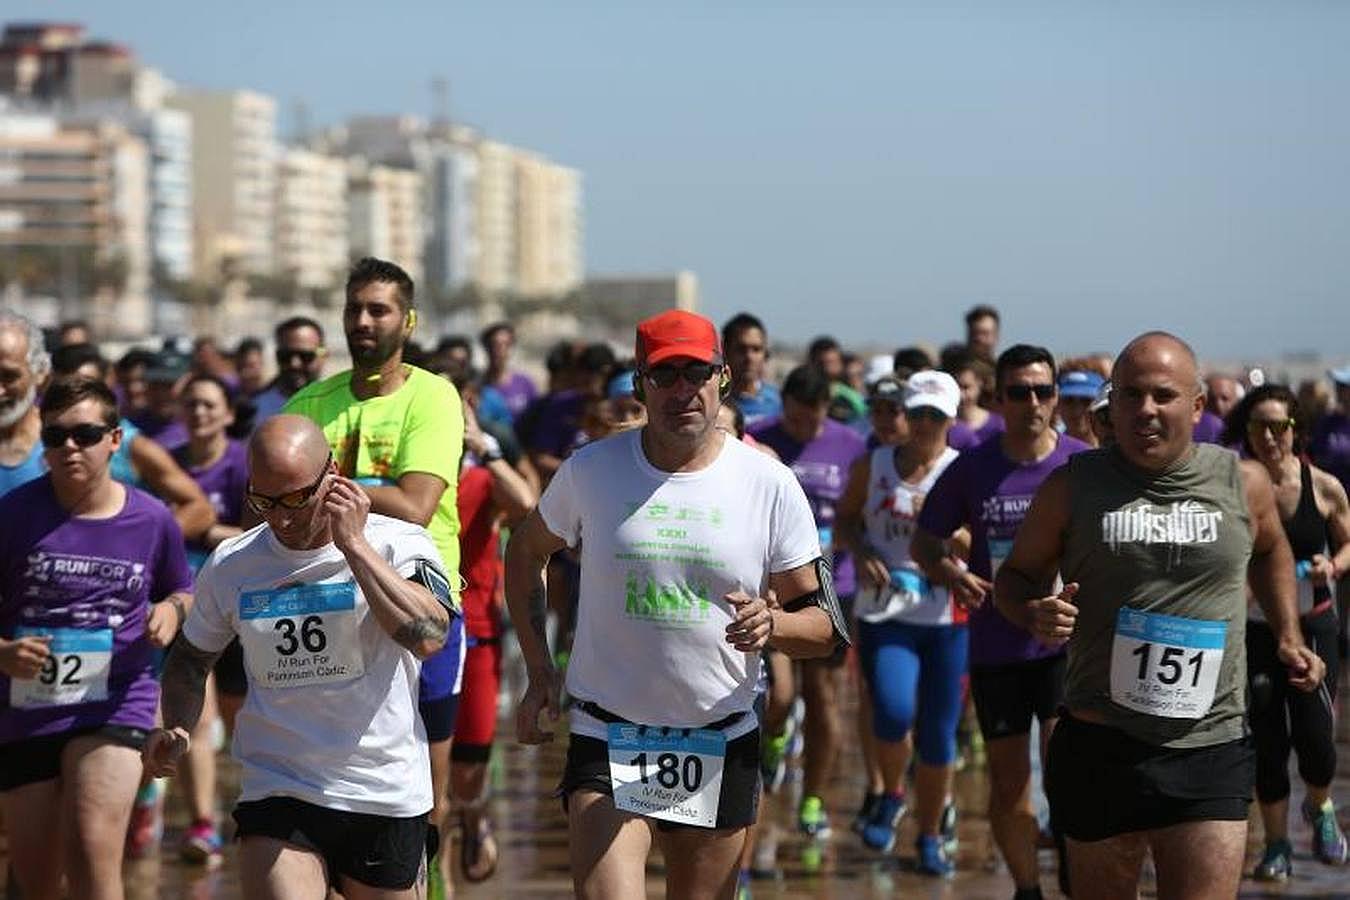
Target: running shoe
{"points": [[1329, 843], [947, 829], [879, 833], [435, 881], [201, 843], [743, 885], [773, 759], [146, 826], [1276, 862], [933, 860], [811, 818], [865, 812]]}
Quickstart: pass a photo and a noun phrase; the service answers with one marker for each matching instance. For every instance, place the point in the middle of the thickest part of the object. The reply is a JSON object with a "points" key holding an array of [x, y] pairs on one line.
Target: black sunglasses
{"points": [[1021, 393], [296, 499], [694, 373], [84, 435], [931, 413], [1276, 427], [306, 356]]}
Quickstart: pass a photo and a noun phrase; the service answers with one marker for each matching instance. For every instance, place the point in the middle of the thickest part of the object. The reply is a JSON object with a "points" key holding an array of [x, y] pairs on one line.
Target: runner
{"points": [[515, 388], [334, 606], [700, 533], [819, 451], [974, 424], [1157, 537], [1329, 448], [1077, 389], [92, 577], [490, 493], [747, 347], [911, 635], [982, 330], [397, 431], [24, 366], [1013, 677], [1314, 512], [300, 354]]}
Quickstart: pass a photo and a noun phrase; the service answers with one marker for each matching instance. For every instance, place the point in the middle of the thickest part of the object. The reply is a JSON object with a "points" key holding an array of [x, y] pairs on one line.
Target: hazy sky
{"points": [[871, 170]]}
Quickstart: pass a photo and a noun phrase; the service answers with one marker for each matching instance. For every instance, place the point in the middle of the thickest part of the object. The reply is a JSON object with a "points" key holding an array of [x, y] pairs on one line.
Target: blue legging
{"points": [[914, 673]]}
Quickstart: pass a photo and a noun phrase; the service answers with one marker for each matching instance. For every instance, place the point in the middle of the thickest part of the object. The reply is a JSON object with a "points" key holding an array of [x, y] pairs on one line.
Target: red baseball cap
{"points": [[676, 333]]}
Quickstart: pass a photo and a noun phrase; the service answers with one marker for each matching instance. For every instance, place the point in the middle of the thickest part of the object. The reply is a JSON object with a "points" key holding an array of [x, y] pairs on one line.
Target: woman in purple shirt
{"points": [[219, 465], [92, 578]]}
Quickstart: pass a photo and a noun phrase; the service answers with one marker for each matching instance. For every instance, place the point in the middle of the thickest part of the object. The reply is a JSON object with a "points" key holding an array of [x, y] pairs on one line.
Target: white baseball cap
{"points": [[1341, 375], [934, 388], [878, 367]]}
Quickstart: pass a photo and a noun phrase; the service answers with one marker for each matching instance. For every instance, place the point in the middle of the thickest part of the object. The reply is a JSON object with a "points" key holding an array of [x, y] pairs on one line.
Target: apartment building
{"points": [[385, 215]]}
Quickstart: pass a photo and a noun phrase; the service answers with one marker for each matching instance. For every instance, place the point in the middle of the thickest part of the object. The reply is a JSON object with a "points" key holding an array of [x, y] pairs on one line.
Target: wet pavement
{"points": [[533, 841]]}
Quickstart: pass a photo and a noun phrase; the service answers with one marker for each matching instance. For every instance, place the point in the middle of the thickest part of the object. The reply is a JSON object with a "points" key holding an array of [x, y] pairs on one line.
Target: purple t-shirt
{"points": [[518, 391], [990, 494], [1208, 429], [553, 424], [223, 482], [821, 466], [89, 584], [961, 436], [1330, 446]]}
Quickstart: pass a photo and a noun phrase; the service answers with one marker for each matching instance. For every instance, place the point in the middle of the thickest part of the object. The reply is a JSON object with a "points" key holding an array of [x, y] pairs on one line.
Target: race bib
{"points": [[1165, 665], [669, 774], [999, 549], [301, 635], [826, 535], [75, 672]]}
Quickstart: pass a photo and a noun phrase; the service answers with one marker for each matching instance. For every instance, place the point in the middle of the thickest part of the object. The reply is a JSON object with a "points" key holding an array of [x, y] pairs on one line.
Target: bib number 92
{"points": [[310, 634], [62, 669]]}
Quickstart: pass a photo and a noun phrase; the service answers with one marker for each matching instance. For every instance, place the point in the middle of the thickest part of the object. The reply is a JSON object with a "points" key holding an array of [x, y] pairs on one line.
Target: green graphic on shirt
{"points": [[680, 605]]}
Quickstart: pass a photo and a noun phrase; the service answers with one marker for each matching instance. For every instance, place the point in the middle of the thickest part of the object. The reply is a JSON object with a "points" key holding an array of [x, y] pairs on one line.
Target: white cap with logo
{"points": [[934, 388]]}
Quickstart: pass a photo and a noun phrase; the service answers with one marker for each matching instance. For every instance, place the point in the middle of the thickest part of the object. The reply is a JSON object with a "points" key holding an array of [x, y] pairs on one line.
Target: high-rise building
{"points": [[74, 208], [497, 212], [548, 227], [642, 295], [311, 226], [385, 216], [234, 180]]}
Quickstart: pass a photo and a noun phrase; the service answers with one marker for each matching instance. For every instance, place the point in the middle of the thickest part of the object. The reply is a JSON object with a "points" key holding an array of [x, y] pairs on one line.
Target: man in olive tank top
{"points": [[1156, 539]]}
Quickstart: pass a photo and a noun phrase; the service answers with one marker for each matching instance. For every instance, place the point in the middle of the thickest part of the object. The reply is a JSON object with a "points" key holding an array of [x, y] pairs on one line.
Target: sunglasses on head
{"points": [[1021, 393], [1276, 427], [296, 499], [86, 434], [693, 373], [930, 413], [305, 356]]}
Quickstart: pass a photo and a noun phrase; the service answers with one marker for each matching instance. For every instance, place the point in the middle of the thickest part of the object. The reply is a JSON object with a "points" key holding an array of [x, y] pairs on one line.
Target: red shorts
{"points": [[476, 724]]}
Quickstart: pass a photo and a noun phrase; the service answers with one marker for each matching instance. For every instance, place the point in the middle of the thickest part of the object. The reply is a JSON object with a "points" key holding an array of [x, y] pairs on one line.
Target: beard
{"points": [[377, 354], [12, 411]]}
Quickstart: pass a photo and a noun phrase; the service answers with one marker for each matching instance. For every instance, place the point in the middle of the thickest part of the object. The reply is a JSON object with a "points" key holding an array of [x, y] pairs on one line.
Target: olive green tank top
{"points": [[1161, 561]]}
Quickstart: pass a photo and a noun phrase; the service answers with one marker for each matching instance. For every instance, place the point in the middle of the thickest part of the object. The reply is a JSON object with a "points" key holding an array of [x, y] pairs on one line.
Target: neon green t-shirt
{"points": [[418, 428]]}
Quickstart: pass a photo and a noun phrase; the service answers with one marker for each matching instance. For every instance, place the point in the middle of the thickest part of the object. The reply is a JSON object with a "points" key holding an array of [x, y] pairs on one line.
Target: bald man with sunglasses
{"points": [[335, 608]]}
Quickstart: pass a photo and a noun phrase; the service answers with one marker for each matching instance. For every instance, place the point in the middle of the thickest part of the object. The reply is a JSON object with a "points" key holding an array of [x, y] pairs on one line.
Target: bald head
{"points": [[285, 447], [1159, 350]]}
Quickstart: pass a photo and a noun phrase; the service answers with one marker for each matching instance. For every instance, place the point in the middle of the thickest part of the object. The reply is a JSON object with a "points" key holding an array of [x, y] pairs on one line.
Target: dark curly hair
{"points": [[1235, 426]]}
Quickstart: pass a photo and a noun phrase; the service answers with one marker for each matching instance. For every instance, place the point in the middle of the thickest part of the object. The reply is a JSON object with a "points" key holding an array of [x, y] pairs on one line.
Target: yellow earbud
{"points": [[412, 319]]}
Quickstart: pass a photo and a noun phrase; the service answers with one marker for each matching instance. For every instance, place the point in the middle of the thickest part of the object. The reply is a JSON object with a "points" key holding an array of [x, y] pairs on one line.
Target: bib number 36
{"points": [[1166, 666], [671, 775]]}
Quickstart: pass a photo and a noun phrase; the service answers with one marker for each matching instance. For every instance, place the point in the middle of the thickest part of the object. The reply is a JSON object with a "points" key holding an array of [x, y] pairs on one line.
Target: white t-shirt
{"points": [[889, 518], [331, 716], [659, 551]]}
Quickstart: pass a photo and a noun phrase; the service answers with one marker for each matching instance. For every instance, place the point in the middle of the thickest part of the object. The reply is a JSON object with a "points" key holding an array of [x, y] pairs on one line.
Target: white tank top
{"points": [[889, 518]]}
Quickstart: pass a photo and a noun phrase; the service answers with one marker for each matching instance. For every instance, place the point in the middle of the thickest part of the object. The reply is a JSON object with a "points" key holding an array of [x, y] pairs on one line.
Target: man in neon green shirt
{"points": [[398, 431]]}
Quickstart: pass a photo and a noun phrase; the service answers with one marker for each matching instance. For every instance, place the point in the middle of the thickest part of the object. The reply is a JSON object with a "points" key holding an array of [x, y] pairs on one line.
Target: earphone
{"points": [[412, 319]]}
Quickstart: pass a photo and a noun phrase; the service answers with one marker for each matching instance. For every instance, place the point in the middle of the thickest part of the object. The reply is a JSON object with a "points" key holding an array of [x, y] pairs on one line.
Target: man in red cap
{"points": [[696, 553]]}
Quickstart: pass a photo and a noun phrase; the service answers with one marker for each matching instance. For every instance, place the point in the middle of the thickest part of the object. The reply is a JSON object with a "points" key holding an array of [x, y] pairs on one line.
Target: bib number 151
{"points": [[1171, 664], [1166, 666]]}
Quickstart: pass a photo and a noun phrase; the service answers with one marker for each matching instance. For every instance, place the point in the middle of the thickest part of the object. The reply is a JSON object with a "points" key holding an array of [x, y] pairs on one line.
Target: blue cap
{"points": [[1080, 384], [1341, 375], [621, 385]]}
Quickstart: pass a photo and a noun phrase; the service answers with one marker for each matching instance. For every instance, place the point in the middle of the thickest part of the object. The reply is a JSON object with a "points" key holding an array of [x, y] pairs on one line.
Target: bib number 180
{"points": [[670, 772]]}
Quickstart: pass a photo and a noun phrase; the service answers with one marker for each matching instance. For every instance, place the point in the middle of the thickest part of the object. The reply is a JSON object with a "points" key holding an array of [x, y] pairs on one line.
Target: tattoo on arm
{"points": [[415, 632], [184, 684], [539, 611]]}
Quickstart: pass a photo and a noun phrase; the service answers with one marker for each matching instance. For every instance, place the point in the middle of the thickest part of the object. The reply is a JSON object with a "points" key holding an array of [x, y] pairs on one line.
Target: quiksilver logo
{"points": [[1188, 522]]}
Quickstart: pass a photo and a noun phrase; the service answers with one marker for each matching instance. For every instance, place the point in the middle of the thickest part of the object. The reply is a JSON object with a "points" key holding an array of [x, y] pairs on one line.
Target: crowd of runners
{"points": [[1123, 572]]}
